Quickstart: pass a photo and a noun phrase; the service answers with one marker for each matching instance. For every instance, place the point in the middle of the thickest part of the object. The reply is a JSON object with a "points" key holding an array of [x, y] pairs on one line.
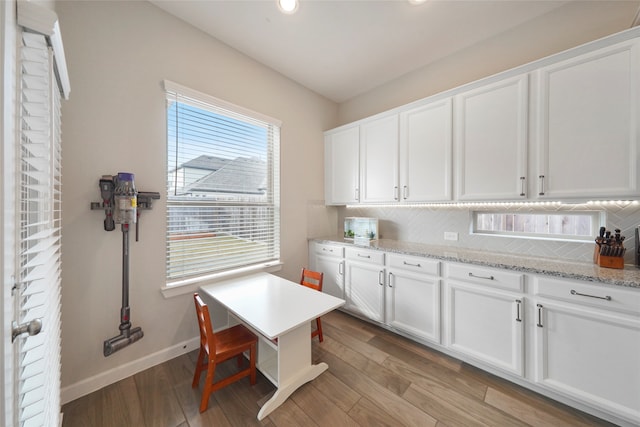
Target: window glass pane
{"points": [[222, 188], [572, 226]]}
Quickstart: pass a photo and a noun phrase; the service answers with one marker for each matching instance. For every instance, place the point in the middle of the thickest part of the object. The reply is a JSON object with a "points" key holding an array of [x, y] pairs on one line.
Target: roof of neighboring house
{"points": [[241, 175], [206, 162]]}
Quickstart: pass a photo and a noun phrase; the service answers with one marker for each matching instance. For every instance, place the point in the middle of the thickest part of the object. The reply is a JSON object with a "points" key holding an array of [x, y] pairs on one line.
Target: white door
{"points": [[425, 153], [379, 160], [589, 354], [31, 199], [491, 140], [588, 124], [333, 279], [341, 166], [364, 290], [413, 304], [486, 325]]}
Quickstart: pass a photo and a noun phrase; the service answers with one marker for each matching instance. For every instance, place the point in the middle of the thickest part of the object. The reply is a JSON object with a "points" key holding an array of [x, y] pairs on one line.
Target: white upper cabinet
{"points": [[587, 124], [425, 153], [341, 160], [379, 160], [491, 141]]}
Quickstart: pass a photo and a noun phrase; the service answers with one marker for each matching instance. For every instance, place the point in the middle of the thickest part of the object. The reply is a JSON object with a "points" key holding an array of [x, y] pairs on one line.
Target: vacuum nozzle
{"points": [[121, 341]]}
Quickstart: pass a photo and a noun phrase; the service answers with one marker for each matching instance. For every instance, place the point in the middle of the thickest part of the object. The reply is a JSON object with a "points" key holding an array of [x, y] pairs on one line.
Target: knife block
{"points": [[607, 261]]}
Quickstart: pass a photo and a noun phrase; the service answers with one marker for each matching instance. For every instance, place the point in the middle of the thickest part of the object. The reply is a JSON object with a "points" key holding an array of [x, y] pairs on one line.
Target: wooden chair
{"points": [[218, 347], [313, 280]]}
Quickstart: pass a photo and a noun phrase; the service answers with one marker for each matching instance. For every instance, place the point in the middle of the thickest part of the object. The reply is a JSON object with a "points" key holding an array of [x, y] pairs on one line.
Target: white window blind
{"points": [[223, 189], [39, 193]]}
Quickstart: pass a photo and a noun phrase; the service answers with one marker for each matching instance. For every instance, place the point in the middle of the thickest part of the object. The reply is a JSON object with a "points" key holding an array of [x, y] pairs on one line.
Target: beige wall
{"points": [[118, 53], [518, 46]]}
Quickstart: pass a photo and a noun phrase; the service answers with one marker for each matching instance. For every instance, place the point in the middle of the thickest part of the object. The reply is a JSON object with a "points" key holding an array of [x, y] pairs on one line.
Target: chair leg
{"points": [[252, 364], [199, 366], [319, 325], [208, 386]]}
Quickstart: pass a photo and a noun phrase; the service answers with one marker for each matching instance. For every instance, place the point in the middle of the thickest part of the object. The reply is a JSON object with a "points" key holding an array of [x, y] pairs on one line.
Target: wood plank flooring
{"points": [[375, 378]]}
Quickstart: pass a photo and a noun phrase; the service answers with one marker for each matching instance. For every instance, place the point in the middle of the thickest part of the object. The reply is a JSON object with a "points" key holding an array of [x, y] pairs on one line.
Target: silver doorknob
{"points": [[32, 328]]}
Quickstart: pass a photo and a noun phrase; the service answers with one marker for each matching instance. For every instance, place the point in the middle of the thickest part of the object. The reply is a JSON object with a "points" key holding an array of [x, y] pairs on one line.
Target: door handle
{"points": [[32, 328], [390, 276], [518, 317], [541, 193], [404, 192], [522, 193], [341, 268], [381, 277], [539, 324]]}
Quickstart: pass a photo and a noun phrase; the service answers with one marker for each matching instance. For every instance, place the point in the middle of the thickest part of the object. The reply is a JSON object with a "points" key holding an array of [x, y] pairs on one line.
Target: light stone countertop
{"points": [[629, 276]]}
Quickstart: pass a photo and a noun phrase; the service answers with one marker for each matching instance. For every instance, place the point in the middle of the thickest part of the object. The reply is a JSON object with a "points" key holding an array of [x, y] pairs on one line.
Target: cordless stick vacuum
{"points": [[122, 203]]}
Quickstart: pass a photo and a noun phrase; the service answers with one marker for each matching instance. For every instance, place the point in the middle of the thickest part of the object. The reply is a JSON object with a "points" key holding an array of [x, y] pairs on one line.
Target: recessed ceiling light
{"points": [[288, 6]]}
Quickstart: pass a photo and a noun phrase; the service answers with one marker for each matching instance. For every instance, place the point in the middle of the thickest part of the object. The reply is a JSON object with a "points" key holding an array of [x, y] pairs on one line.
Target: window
{"points": [[557, 225], [223, 190]]}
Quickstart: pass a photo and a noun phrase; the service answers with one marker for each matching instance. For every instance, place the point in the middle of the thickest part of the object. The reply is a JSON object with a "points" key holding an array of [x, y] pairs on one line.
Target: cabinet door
{"points": [[425, 153], [333, 279], [486, 325], [491, 141], [587, 131], [589, 354], [413, 304], [364, 290], [341, 164], [379, 160]]}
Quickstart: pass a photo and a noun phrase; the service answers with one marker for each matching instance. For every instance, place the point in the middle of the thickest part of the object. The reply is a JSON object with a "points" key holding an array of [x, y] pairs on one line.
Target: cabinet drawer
{"points": [[364, 255], [328, 249], [502, 279], [415, 263], [609, 297]]}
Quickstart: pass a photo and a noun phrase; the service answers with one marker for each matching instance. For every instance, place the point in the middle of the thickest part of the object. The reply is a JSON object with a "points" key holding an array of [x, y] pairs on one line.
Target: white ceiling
{"points": [[341, 49]]}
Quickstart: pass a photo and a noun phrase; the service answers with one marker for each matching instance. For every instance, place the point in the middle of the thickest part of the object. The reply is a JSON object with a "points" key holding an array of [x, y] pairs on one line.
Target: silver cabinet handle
{"points": [[341, 268], [606, 297], [522, 180], [539, 324], [364, 256], [381, 277], [327, 250], [357, 194], [390, 276], [541, 193], [405, 191], [395, 193], [482, 277], [518, 303], [411, 265]]}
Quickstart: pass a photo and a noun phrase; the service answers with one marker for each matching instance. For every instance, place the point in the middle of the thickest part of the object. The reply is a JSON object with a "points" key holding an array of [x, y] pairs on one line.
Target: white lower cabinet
{"points": [[587, 352], [485, 324], [582, 339], [412, 297], [329, 261], [364, 283]]}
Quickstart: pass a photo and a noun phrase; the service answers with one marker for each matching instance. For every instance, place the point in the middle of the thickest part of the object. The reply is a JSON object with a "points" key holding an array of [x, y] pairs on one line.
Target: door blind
{"points": [[39, 193], [223, 192]]}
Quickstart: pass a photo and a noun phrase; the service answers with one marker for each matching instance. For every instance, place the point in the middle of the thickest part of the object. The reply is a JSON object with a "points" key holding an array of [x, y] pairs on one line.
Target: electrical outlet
{"points": [[450, 235]]}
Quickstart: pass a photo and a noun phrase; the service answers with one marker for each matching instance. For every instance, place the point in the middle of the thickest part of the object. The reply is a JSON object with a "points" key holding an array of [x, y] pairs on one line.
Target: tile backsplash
{"points": [[427, 224]]}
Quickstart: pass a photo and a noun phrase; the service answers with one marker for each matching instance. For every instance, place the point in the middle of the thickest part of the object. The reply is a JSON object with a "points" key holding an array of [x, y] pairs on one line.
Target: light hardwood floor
{"points": [[375, 378]]}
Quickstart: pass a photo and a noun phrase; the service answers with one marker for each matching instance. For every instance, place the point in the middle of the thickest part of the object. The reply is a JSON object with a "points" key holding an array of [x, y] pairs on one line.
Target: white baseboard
{"points": [[89, 385]]}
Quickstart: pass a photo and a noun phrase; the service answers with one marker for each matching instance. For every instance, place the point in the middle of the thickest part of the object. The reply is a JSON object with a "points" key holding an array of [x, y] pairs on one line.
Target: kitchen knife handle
{"points": [[539, 324], [522, 193], [541, 185], [518, 303]]}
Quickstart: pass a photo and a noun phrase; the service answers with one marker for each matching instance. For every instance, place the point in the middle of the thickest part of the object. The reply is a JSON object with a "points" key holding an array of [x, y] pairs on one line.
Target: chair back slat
{"points": [[207, 337], [311, 279]]}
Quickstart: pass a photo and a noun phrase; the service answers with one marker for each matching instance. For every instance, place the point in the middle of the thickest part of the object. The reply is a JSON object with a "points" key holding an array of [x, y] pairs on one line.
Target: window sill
{"points": [[190, 286]]}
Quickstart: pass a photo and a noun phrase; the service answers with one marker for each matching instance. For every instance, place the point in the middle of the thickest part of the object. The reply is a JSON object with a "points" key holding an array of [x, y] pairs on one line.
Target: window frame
{"points": [[598, 219], [187, 283]]}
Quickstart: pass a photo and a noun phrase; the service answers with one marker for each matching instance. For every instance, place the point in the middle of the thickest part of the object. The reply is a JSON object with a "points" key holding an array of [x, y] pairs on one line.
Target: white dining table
{"points": [[280, 312]]}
